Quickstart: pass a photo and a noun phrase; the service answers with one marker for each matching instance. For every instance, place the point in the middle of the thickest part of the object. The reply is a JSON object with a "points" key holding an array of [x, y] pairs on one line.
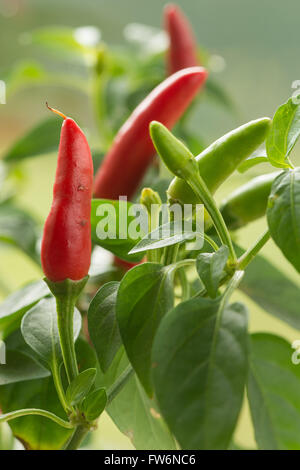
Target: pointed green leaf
{"points": [[165, 235], [40, 140], [283, 214], [80, 386], [200, 369], [284, 133], [94, 404], [210, 267]]}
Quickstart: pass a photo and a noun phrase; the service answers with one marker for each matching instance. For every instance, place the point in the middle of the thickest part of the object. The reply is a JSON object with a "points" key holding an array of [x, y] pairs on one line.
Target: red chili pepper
{"points": [[66, 244], [182, 50], [132, 151]]}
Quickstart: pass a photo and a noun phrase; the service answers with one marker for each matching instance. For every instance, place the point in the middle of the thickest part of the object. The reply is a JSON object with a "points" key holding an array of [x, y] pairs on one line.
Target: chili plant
{"points": [[166, 344], [154, 339]]}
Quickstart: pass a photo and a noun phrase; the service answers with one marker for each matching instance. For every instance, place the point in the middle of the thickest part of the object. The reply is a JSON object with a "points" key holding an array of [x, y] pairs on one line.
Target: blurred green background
{"points": [[258, 40]]}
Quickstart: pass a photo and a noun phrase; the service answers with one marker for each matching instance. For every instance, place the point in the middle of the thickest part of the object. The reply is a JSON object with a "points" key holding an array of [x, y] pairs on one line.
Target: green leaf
{"points": [[259, 156], [271, 290], [145, 295], [283, 214], [20, 367], [40, 140], [18, 228], [167, 234], [273, 392], [105, 218], [284, 134], [40, 331], [25, 73], [65, 41], [35, 432], [200, 369], [16, 305], [134, 413], [210, 267], [94, 404], [80, 386], [102, 322]]}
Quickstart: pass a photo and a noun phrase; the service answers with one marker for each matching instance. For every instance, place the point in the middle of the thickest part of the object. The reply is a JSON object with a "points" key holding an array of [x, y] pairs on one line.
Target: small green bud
{"points": [[148, 198], [177, 158]]}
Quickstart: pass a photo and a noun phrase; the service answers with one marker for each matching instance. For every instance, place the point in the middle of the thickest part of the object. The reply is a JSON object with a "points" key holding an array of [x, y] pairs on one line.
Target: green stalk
{"points": [[201, 190], [248, 256], [35, 411], [66, 293], [58, 386], [65, 311], [77, 438]]}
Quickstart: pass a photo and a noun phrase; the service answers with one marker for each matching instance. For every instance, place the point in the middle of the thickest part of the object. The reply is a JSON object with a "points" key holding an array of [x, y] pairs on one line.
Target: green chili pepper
{"points": [[248, 202], [177, 158], [220, 159], [181, 162]]}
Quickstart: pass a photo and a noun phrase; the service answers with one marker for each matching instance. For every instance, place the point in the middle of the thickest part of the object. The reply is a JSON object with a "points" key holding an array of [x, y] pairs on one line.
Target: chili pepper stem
{"points": [[66, 293], [248, 256], [199, 187], [79, 434], [56, 111]]}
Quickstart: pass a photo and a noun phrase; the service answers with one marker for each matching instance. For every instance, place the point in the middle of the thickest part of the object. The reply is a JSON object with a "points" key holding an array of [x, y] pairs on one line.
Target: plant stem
{"points": [[119, 384], [58, 386], [65, 311], [248, 256], [201, 190], [66, 294], [77, 438], [36, 411]]}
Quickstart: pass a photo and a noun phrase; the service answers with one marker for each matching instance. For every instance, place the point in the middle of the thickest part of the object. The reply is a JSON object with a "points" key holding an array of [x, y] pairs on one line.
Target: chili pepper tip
{"points": [[56, 111]]}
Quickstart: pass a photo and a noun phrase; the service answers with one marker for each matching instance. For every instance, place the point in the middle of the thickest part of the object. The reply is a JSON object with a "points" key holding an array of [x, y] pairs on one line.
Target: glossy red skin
{"points": [[182, 51], [132, 150], [66, 244]]}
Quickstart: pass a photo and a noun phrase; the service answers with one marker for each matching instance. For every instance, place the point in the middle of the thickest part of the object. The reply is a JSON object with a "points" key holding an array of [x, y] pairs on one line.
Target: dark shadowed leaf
{"points": [[134, 413], [200, 368], [273, 391], [145, 295], [103, 327]]}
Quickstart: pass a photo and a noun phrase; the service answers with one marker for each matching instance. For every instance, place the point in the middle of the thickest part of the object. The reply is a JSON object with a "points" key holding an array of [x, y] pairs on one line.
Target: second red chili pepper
{"points": [[182, 50], [132, 151]]}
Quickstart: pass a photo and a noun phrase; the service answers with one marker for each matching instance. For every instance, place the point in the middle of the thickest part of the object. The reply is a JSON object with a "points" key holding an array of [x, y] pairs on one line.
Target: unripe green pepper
{"points": [[248, 202], [220, 159], [177, 158]]}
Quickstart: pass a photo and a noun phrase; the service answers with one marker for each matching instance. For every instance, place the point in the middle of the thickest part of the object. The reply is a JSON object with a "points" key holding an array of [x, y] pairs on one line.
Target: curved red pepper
{"points": [[132, 151], [66, 244], [182, 50]]}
